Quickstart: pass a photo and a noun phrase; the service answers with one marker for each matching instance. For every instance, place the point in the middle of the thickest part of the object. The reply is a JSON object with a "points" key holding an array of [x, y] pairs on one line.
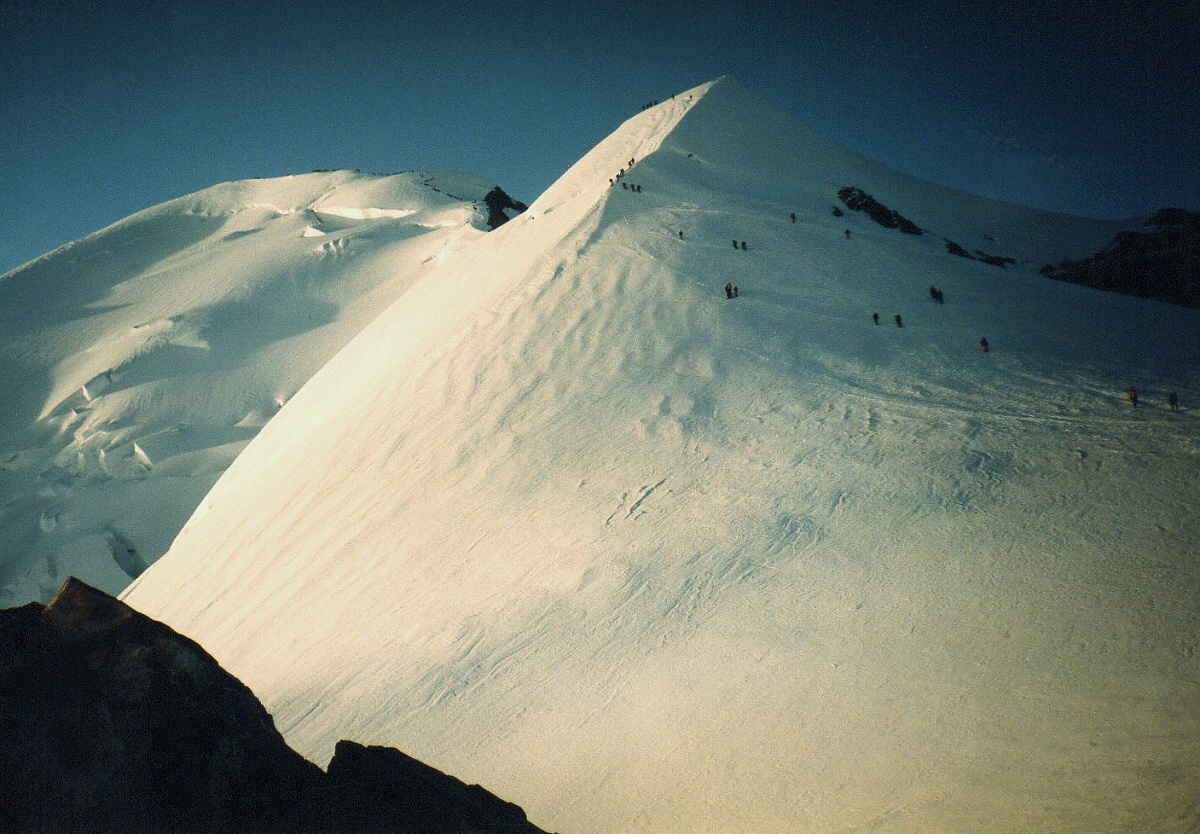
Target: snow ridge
{"points": [[566, 521]]}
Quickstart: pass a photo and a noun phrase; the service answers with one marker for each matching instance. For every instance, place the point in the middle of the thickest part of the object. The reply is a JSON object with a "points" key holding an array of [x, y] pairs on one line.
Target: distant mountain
{"points": [[566, 520], [115, 723], [137, 363]]}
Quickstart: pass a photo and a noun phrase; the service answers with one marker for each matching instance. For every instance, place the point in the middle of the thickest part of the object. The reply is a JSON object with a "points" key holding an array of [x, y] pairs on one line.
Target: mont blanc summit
{"points": [[569, 520]]}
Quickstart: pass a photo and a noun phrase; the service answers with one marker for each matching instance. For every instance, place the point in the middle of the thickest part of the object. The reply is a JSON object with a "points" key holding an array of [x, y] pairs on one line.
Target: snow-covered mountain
{"points": [[136, 363], [565, 521]]}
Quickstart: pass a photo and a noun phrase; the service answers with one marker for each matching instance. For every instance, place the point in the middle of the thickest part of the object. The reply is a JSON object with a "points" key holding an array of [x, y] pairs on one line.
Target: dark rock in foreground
{"points": [[364, 780], [113, 722]]}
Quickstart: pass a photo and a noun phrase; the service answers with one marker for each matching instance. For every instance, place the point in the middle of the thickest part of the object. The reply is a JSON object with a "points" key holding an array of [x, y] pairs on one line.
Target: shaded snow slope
{"points": [[137, 362], [565, 521]]}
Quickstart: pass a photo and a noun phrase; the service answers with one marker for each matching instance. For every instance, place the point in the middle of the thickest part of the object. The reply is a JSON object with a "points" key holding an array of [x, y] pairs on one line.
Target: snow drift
{"points": [[565, 521]]}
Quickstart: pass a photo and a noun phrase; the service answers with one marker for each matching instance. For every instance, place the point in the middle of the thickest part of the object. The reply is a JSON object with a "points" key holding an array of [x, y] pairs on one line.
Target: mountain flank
{"points": [[569, 521], [545, 508], [137, 362]]}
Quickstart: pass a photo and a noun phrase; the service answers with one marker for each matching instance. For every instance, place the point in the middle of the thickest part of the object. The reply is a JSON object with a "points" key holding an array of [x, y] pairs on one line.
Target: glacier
{"points": [[564, 520], [139, 361]]}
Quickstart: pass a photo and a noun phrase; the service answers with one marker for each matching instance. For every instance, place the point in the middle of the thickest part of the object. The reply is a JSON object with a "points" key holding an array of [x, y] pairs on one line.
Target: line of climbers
{"points": [[1172, 398], [619, 178], [937, 295]]}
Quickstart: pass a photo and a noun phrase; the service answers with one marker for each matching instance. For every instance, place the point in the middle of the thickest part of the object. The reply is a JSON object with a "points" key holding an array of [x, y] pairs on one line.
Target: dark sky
{"points": [[108, 108]]}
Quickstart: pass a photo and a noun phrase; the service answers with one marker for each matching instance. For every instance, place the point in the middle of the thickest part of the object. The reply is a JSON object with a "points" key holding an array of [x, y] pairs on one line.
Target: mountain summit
{"points": [[570, 520]]}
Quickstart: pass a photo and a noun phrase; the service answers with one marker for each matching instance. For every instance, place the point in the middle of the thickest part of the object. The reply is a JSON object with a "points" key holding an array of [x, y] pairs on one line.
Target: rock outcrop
{"points": [[1162, 264], [995, 260], [365, 783], [858, 200], [114, 722]]}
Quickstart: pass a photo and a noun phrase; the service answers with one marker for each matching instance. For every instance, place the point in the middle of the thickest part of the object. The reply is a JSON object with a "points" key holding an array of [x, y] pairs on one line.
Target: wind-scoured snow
{"points": [[567, 522], [138, 362]]}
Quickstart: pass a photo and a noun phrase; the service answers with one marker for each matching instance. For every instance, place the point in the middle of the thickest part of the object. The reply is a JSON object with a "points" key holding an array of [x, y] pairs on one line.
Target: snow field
{"points": [[139, 361], [566, 522]]}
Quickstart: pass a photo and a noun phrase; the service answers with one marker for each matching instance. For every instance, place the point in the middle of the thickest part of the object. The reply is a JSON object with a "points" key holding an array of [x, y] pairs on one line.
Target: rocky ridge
{"points": [[1162, 262], [116, 723]]}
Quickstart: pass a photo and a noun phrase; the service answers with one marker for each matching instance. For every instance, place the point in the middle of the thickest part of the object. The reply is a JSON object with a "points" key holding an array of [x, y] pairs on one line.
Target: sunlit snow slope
{"points": [[565, 521], [136, 363]]}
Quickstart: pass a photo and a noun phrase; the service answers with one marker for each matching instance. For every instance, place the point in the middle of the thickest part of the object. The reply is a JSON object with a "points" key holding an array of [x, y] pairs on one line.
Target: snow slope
{"points": [[566, 522], [137, 362]]}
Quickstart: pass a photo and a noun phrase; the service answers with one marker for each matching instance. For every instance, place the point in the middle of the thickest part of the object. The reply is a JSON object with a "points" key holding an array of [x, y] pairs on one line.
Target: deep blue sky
{"points": [[110, 107]]}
